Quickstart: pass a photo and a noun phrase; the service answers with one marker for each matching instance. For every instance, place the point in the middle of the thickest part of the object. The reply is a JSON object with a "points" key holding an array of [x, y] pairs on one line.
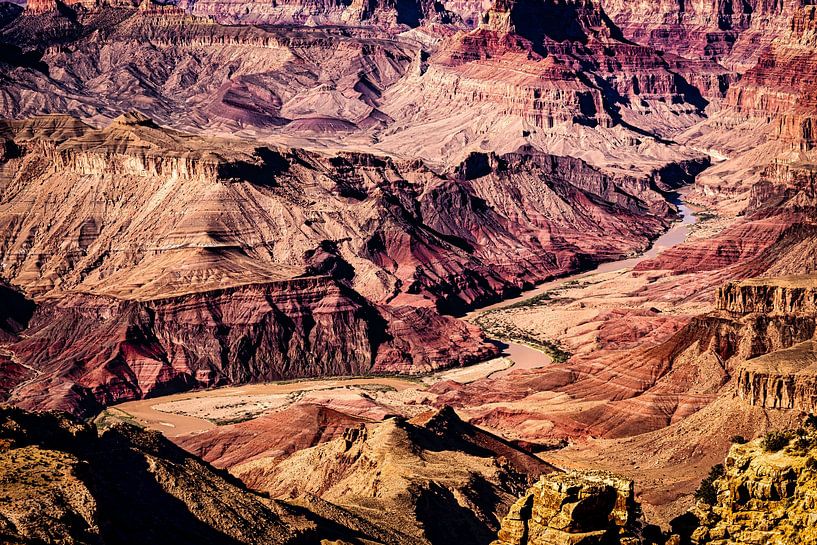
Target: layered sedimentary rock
{"points": [[573, 507], [196, 262], [781, 85], [435, 478], [385, 13], [559, 65], [785, 376], [91, 351], [734, 33]]}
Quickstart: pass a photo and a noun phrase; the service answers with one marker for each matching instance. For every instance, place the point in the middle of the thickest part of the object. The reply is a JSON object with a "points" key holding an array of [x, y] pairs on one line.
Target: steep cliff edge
{"points": [[785, 375]]}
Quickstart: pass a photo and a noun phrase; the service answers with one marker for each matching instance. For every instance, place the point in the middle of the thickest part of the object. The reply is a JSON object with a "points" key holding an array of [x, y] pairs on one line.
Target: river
{"points": [[526, 357]]}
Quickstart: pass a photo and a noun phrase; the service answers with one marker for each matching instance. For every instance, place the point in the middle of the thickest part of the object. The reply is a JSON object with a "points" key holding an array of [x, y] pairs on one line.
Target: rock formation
{"points": [[198, 262], [568, 508]]}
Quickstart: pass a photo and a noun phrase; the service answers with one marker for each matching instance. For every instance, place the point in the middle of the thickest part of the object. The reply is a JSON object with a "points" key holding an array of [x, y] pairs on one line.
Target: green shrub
{"points": [[775, 441], [707, 492], [811, 421], [738, 439]]}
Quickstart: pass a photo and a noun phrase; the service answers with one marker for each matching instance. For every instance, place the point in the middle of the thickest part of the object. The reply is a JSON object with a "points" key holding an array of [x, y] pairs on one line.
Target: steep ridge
{"points": [[435, 478], [67, 482], [782, 83], [764, 122]]}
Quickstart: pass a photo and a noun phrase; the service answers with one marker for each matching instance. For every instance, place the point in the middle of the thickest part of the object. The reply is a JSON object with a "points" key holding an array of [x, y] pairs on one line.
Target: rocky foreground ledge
{"points": [[764, 493]]}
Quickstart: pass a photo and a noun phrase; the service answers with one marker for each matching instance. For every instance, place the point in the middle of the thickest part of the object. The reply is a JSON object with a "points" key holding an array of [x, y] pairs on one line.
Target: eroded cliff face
{"points": [[762, 333], [91, 351], [734, 33], [781, 85], [196, 262], [785, 375]]}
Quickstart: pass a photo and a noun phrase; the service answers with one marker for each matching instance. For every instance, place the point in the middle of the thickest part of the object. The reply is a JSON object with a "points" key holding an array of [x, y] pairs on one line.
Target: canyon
{"points": [[511, 272]]}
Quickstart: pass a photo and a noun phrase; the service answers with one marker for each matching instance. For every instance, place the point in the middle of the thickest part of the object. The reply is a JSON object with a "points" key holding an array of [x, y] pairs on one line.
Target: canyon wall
{"points": [[91, 351], [177, 261]]}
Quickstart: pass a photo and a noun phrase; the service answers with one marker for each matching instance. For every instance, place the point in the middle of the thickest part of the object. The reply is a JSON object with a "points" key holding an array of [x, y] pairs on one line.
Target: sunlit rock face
{"points": [[574, 507]]}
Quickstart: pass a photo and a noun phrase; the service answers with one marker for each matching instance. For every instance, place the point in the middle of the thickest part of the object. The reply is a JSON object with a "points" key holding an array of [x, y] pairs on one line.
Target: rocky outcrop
{"points": [[769, 296], [762, 497], [786, 379], [570, 508], [784, 376]]}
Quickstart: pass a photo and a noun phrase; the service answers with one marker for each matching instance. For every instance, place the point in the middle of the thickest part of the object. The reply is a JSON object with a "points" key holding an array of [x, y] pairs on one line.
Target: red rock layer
{"points": [[567, 63], [275, 435], [90, 351], [783, 84], [734, 33]]}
